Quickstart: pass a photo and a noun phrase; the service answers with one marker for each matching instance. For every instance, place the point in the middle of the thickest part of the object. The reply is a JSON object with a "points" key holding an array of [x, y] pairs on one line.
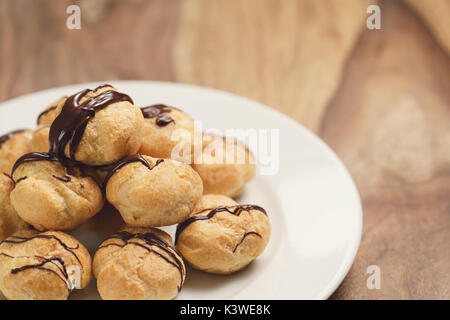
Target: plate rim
{"points": [[351, 252]]}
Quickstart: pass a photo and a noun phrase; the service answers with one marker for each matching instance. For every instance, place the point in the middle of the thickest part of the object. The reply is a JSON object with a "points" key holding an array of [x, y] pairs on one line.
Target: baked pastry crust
{"points": [[15, 145], [111, 133], [42, 266], [39, 140], [138, 264], [164, 129], [222, 176], [114, 132], [51, 197], [97, 144], [151, 192], [223, 239], [49, 114], [10, 222]]}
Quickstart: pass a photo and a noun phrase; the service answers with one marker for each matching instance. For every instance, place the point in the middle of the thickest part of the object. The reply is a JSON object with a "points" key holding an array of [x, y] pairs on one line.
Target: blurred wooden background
{"points": [[379, 98]]}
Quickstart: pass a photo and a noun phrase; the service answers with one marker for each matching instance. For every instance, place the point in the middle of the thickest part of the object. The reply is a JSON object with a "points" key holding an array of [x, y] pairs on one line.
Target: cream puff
{"points": [[13, 145], [42, 266], [222, 236], [39, 140], [49, 196], [225, 166], [151, 192], [46, 117], [168, 133], [10, 222], [138, 264], [96, 127]]}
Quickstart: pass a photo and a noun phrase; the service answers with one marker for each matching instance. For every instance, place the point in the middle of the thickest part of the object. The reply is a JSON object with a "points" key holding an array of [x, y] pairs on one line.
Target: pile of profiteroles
{"points": [[96, 146]]}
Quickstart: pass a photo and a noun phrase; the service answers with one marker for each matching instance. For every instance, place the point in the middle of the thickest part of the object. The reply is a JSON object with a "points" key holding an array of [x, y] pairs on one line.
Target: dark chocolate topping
{"points": [[18, 240], [235, 210], [160, 112], [8, 136], [245, 236], [150, 239], [124, 162], [8, 176], [103, 86], [55, 260], [20, 179], [69, 127], [33, 156], [66, 178], [105, 168], [37, 156]]}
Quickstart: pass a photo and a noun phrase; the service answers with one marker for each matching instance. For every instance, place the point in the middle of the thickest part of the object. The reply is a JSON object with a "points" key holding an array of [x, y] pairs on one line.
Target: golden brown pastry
{"points": [[164, 129], [42, 266], [47, 116], [39, 140], [97, 127], [12, 146], [51, 197], [138, 264], [151, 192], [10, 222], [222, 236], [225, 166]]}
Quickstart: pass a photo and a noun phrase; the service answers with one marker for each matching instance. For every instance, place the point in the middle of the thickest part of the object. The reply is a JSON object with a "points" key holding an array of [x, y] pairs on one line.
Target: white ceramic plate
{"points": [[312, 201]]}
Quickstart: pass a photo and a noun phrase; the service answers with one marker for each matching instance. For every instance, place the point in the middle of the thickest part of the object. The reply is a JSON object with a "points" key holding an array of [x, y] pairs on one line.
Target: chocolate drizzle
{"points": [[69, 126], [66, 178], [234, 210], [33, 156], [21, 179], [55, 260], [124, 162], [18, 240], [245, 236], [41, 266], [160, 112], [106, 85], [8, 176], [9, 135], [150, 239]]}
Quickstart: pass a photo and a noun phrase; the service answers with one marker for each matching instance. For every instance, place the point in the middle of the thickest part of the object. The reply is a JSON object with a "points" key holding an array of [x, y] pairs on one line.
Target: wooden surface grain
{"points": [[390, 123], [436, 15], [380, 98]]}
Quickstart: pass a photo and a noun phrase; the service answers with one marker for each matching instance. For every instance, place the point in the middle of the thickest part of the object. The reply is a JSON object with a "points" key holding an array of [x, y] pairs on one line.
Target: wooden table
{"points": [[379, 98]]}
